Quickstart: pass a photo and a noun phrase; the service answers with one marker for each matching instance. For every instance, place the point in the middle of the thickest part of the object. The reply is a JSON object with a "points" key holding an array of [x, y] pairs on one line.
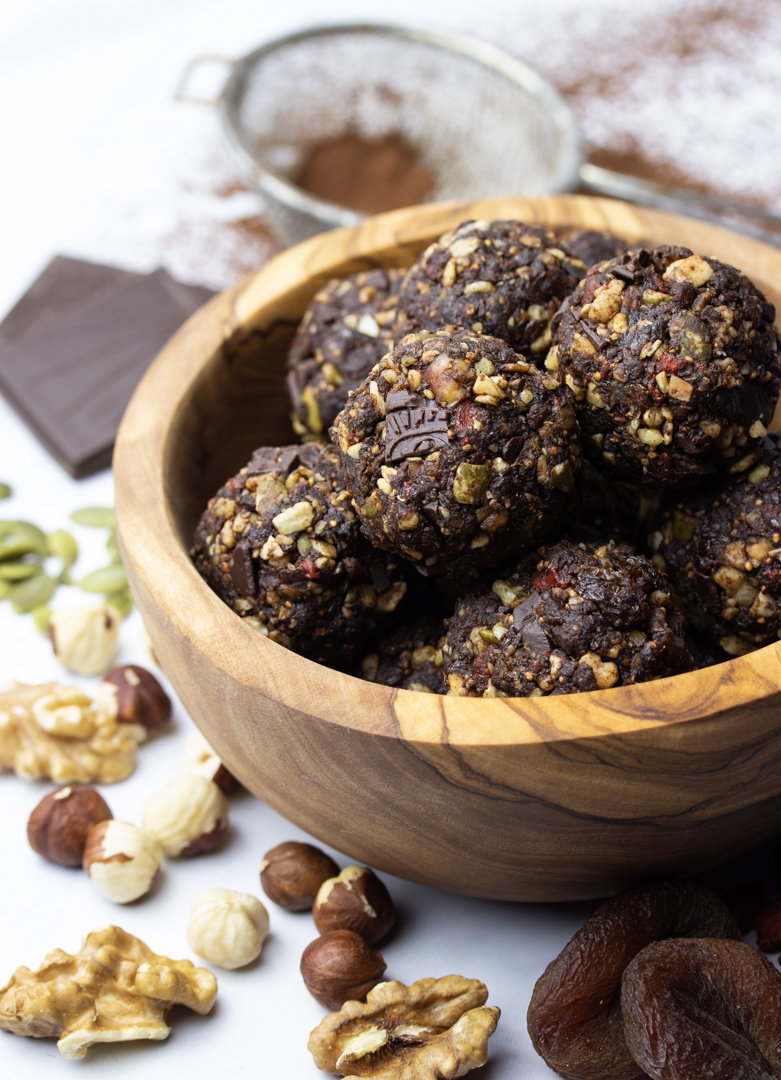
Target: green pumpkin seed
{"points": [[27, 533], [30, 594], [122, 602], [41, 619], [97, 517], [19, 571], [109, 579], [112, 547], [5, 588], [5, 491], [14, 550], [63, 546]]}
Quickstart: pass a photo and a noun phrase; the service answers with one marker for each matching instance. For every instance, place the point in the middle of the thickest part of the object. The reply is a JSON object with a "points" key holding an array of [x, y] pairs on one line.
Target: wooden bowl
{"points": [[517, 799]]}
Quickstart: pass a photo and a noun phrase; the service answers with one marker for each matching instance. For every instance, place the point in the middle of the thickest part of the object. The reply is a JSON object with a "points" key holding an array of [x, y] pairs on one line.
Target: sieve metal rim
{"points": [[490, 56]]}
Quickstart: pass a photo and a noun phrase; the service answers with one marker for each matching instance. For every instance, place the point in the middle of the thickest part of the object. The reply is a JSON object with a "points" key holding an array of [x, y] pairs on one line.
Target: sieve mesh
{"points": [[476, 129]]}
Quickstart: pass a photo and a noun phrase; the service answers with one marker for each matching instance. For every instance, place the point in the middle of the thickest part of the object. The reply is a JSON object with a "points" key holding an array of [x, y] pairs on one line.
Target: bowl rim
{"points": [[162, 573]]}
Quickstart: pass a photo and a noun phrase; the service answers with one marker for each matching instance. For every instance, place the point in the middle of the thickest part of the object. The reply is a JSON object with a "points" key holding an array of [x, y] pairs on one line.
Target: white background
{"points": [[96, 160]]}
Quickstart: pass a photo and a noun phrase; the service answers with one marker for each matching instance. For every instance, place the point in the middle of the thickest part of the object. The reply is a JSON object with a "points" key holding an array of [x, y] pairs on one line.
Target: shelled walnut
{"points": [[433, 1028], [112, 990], [55, 731]]}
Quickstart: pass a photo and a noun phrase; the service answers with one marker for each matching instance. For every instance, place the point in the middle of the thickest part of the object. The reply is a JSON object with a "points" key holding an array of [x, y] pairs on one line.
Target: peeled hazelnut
{"points": [[122, 860], [339, 967], [59, 824], [355, 900], [85, 638], [227, 928], [292, 873], [188, 816], [133, 696], [200, 760]]}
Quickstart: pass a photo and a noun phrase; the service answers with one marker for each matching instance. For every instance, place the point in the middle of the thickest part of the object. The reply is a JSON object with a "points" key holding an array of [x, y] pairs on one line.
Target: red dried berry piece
{"points": [[704, 1008], [574, 1017], [768, 927]]}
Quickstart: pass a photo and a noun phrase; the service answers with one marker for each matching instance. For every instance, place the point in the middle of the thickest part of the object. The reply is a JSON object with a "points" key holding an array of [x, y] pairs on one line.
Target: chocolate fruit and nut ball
{"points": [[280, 543], [458, 452], [569, 618], [721, 546], [344, 332], [501, 278], [410, 658], [672, 358]]}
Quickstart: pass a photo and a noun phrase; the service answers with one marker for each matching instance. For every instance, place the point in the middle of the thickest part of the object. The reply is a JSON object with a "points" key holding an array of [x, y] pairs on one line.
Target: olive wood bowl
{"points": [[512, 798]]}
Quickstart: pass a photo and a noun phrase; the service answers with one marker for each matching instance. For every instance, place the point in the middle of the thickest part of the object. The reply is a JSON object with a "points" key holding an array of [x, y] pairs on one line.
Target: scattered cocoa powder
{"points": [[367, 176]]}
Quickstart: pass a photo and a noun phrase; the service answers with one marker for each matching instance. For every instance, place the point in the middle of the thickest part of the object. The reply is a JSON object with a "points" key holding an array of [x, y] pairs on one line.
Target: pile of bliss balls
{"points": [[548, 472]]}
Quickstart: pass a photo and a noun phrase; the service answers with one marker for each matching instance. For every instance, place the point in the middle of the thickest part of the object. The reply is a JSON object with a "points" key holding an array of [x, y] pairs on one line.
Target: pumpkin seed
{"points": [[5, 588], [41, 618], [109, 579], [96, 517], [19, 571], [31, 593], [5, 491], [63, 546], [122, 602], [112, 547]]}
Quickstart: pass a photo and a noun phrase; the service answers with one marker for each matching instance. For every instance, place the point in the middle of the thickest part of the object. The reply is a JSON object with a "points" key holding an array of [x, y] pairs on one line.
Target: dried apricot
{"points": [[703, 1008], [574, 1017]]}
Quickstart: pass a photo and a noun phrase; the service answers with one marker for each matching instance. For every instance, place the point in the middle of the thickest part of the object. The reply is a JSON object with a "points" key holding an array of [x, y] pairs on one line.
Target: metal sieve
{"points": [[482, 122]]}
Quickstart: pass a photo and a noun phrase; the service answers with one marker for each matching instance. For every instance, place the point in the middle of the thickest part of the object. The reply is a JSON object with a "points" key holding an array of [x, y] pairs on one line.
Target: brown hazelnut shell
{"points": [[140, 697], [58, 826], [339, 967], [355, 900], [226, 781], [291, 874]]}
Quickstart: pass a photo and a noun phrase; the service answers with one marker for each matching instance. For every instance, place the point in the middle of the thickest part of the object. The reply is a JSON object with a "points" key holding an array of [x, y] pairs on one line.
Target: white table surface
{"points": [[95, 161]]}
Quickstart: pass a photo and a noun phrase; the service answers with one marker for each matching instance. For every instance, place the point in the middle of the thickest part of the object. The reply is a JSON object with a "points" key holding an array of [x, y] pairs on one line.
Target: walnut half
{"points": [[112, 990], [433, 1028]]}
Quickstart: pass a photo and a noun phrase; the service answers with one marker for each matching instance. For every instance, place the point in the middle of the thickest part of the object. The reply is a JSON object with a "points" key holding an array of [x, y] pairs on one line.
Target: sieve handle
{"points": [[745, 219], [181, 94]]}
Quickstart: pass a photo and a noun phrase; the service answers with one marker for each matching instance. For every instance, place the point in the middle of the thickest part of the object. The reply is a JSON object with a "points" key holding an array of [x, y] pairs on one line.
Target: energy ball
{"points": [[458, 452], [281, 545], [569, 618], [410, 659], [672, 358], [345, 331], [501, 278], [721, 546], [592, 246]]}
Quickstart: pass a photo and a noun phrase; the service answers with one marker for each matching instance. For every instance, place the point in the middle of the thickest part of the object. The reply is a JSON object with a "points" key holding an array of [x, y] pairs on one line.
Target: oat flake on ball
{"points": [[501, 278], [458, 452], [672, 358]]}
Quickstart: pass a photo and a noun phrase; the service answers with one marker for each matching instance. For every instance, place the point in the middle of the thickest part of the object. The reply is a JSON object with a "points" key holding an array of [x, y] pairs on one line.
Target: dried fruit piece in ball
{"points": [[344, 332], [340, 966], [133, 696], [574, 1016], [721, 546], [567, 619], [703, 1008], [672, 358], [122, 860], [433, 1028], [410, 659], [280, 544], [355, 900], [458, 452], [189, 816], [502, 278], [291, 874], [58, 826], [227, 928]]}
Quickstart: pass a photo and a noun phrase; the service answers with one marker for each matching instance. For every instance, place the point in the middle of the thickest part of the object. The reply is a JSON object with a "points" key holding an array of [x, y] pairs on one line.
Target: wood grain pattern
{"points": [[518, 799]]}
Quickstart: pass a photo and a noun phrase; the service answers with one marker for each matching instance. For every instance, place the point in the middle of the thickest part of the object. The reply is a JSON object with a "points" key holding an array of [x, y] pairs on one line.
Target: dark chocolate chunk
{"points": [[430, 510], [525, 620], [593, 336], [288, 458], [403, 399], [624, 273], [412, 432], [242, 572], [380, 579], [512, 448], [769, 312], [642, 257]]}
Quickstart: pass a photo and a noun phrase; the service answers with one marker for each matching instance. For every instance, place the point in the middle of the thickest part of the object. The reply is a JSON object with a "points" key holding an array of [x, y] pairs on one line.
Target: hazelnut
{"points": [[85, 638], [291, 874], [59, 824], [339, 967], [133, 696], [200, 760], [188, 816], [355, 900], [227, 928], [122, 860]]}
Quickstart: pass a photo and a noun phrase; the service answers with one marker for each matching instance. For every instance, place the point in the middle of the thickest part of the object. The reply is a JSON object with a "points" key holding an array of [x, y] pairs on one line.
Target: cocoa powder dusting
{"points": [[367, 176]]}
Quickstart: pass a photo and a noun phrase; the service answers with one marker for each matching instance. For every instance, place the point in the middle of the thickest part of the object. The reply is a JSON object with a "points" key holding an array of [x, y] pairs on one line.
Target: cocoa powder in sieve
{"points": [[367, 176]]}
